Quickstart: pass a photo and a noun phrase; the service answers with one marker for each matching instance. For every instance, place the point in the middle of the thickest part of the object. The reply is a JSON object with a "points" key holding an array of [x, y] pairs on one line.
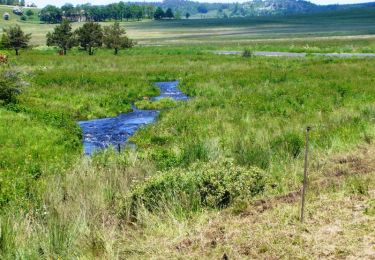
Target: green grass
{"points": [[234, 31], [251, 112]]}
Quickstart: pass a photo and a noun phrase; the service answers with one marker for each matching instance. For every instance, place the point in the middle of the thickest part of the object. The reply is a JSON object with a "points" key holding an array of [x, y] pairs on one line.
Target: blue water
{"points": [[99, 134]]}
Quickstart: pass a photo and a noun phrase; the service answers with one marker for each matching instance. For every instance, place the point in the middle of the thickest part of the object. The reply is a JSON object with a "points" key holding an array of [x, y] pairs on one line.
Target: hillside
{"points": [[17, 18], [253, 8], [240, 30], [205, 10]]}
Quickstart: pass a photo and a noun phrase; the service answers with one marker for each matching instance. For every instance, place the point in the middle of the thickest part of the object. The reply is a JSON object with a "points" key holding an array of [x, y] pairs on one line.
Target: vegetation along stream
{"points": [[101, 133]]}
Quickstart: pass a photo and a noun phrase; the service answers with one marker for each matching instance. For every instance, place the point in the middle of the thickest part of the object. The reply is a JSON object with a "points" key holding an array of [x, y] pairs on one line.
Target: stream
{"points": [[99, 134]]}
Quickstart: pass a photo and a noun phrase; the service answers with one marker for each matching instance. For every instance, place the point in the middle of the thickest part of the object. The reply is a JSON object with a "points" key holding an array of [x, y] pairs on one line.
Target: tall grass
{"points": [[54, 203]]}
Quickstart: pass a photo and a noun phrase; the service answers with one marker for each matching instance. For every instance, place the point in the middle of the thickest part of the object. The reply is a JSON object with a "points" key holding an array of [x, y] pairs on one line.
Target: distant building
{"points": [[79, 16], [30, 4]]}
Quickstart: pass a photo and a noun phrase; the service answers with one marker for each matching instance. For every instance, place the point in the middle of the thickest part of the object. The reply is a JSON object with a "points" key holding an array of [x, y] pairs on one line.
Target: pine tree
{"points": [[14, 38], [62, 36], [114, 38], [159, 13], [169, 14], [90, 35]]}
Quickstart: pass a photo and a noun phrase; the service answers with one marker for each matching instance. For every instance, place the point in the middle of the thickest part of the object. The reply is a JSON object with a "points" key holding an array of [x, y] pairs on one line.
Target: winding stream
{"points": [[99, 134]]}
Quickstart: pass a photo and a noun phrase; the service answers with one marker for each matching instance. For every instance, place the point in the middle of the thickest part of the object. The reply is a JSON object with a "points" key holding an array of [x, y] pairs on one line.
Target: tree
{"points": [[159, 13], [51, 14], [22, 3], [169, 14], [127, 13], [137, 11], [114, 38], [187, 15], [90, 35], [68, 10], [150, 11], [177, 15], [202, 9], [14, 38], [62, 36]]}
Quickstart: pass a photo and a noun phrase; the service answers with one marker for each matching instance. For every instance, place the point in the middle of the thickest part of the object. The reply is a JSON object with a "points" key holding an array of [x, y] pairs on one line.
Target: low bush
{"points": [[203, 185], [247, 53], [10, 86]]}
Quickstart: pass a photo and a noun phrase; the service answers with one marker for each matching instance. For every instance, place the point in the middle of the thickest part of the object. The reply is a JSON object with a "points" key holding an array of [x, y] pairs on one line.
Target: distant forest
{"points": [[178, 9], [12, 2]]}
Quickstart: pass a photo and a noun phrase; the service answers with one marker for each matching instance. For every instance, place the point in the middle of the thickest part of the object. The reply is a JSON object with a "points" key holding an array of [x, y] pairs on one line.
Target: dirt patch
{"points": [[261, 205], [361, 162]]}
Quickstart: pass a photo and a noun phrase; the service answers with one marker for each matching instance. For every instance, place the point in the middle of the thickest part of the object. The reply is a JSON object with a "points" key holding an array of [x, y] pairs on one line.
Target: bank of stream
{"points": [[99, 134]]}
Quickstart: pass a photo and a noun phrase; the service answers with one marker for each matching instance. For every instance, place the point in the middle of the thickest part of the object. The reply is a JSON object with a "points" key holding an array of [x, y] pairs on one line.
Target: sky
{"points": [[42, 3]]}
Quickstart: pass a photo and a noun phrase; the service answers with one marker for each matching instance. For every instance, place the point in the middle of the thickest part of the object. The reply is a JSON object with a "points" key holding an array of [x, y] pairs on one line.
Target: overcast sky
{"points": [[42, 3]]}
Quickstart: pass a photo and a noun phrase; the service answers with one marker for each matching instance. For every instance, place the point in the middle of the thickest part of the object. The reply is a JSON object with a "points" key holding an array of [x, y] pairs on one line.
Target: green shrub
{"points": [[10, 86], [164, 158], [247, 53], [203, 185], [29, 12]]}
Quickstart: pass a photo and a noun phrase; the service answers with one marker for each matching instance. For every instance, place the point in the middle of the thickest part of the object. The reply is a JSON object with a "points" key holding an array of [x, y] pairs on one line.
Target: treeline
{"points": [[94, 13], [89, 36], [12, 2]]}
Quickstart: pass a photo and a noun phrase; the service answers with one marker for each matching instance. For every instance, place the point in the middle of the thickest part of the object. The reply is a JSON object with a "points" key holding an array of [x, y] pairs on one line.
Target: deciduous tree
{"points": [[51, 14]]}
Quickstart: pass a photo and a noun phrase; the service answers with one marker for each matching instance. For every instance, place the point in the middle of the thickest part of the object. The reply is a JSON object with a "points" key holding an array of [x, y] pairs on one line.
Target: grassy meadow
{"points": [[217, 175], [295, 32]]}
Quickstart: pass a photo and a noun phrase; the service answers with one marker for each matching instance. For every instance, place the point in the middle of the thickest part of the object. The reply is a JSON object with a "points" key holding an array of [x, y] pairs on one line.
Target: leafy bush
{"points": [[29, 12], [164, 158], [247, 53], [10, 86], [210, 185]]}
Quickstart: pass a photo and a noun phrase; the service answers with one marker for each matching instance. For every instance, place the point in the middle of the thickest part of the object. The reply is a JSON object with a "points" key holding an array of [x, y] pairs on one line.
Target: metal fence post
{"points": [[304, 187]]}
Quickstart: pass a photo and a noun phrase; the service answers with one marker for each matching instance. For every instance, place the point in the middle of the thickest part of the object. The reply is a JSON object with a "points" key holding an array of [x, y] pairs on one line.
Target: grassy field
{"points": [[240, 32], [217, 175]]}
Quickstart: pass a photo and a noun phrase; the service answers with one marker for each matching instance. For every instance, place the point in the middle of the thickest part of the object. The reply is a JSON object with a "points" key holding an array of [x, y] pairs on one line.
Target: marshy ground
{"points": [[172, 196]]}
